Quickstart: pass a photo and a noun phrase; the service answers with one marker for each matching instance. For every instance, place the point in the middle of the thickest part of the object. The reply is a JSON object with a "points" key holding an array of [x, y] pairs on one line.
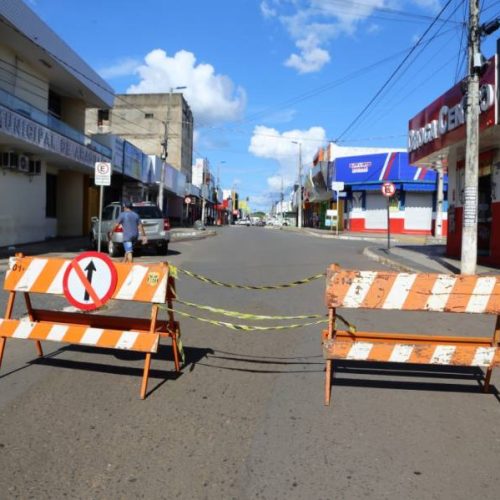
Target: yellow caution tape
{"points": [[247, 328], [251, 287], [240, 315], [173, 270]]}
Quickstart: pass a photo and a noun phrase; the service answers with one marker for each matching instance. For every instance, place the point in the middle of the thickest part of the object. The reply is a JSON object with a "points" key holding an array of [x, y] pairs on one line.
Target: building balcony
{"points": [[50, 122]]}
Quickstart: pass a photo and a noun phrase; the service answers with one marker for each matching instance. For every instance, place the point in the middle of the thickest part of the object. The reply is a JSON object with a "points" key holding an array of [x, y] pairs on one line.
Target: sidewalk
{"points": [[60, 247], [408, 253]]}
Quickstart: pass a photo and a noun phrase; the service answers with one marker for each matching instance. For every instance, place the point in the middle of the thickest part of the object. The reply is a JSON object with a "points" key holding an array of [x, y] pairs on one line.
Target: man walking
{"points": [[131, 224]]}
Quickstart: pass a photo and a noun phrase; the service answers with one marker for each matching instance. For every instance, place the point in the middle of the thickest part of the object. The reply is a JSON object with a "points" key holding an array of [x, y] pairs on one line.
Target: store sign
{"points": [[22, 128], [360, 167], [442, 123]]}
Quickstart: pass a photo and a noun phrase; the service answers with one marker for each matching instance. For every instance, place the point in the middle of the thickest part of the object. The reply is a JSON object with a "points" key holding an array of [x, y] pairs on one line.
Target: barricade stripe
{"points": [[46, 276], [483, 356], [160, 294], [80, 334], [401, 353], [131, 283], [441, 292], [443, 354], [360, 351], [127, 340], [494, 302], [461, 293], [399, 291], [23, 330], [421, 289], [57, 333], [379, 290], [481, 294], [30, 275], [56, 286], [359, 289], [452, 355], [341, 283], [91, 336]]}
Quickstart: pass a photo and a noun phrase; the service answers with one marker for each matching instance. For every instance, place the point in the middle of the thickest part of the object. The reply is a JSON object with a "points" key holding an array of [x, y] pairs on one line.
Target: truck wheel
{"points": [[113, 249]]}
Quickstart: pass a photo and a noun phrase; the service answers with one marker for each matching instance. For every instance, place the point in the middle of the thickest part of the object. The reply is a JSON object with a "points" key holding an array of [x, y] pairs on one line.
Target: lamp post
{"points": [[299, 207], [165, 148]]}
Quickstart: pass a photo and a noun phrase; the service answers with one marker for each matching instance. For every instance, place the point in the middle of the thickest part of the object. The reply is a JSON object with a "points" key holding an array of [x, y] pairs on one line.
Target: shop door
{"points": [[418, 211], [376, 211]]}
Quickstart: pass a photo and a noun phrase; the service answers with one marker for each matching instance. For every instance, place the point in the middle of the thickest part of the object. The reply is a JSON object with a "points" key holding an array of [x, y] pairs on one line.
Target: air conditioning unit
{"points": [[35, 167], [23, 164], [9, 160]]}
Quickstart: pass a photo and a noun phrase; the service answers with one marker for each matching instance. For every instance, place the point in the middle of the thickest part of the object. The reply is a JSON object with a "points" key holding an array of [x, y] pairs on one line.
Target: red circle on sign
{"points": [[95, 299], [388, 189]]}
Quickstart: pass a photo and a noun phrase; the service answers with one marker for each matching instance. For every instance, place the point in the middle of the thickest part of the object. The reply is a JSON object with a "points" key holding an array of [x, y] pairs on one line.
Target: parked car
{"points": [[157, 228], [243, 222]]}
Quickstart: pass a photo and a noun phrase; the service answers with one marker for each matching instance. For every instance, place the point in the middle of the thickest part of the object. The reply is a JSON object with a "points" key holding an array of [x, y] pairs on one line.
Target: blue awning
{"points": [[404, 186]]}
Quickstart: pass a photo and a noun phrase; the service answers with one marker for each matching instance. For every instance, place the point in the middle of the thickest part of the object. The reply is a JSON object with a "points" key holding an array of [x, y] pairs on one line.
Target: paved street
{"points": [[245, 418]]}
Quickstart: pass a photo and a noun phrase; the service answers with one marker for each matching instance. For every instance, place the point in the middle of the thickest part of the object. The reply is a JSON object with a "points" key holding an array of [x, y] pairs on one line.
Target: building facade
{"points": [[47, 161], [145, 120], [437, 135]]}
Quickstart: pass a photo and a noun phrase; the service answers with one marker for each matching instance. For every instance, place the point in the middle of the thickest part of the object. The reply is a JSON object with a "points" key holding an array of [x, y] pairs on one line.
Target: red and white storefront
{"points": [[437, 136]]}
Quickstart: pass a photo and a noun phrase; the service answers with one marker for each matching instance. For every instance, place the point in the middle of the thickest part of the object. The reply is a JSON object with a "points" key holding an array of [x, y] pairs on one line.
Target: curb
{"points": [[370, 253], [194, 235]]}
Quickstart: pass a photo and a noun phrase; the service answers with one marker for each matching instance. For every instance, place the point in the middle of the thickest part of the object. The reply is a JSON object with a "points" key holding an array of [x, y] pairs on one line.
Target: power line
{"points": [[393, 74]]}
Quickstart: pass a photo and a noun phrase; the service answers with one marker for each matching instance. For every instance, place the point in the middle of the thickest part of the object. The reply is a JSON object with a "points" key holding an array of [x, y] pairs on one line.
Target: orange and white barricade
{"points": [[382, 290], [88, 282]]}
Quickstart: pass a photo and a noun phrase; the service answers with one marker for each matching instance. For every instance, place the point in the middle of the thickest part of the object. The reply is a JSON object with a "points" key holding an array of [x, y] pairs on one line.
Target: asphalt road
{"points": [[245, 418]]}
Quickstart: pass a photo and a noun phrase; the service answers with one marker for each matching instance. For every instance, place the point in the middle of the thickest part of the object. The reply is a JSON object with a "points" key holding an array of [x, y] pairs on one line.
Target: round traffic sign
{"points": [[388, 189], [187, 200], [90, 280]]}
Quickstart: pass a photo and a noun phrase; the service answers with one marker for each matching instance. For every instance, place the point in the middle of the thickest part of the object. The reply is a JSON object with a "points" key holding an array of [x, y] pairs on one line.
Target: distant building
{"points": [[141, 118]]}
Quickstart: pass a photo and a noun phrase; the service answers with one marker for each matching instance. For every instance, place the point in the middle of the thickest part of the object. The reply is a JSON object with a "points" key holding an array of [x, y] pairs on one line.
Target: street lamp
{"points": [[299, 208], [165, 148]]}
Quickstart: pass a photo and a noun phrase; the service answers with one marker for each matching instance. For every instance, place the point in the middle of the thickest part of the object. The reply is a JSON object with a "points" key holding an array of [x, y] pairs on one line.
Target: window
{"points": [[51, 196], [149, 115], [55, 105], [102, 116], [107, 213]]}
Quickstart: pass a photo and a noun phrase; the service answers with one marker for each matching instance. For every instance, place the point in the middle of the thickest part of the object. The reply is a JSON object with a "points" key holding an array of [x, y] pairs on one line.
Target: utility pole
{"points": [[299, 200], [164, 144], [469, 222]]}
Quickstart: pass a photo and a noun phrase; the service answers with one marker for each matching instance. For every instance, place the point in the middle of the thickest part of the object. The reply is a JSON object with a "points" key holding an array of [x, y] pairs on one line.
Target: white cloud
{"points": [[269, 143], [327, 20], [311, 58], [121, 68], [212, 97]]}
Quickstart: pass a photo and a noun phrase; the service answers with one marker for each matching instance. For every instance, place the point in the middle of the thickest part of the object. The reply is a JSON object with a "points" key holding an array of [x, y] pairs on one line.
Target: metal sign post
{"points": [[388, 189], [337, 186], [102, 177]]}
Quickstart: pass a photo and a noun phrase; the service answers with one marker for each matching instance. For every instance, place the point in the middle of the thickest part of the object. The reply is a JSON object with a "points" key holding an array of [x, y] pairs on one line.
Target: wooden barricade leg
{"points": [[144, 385], [147, 361], [495, 343], [171, 320], [329, 362], [30, 314], [8, 314]]}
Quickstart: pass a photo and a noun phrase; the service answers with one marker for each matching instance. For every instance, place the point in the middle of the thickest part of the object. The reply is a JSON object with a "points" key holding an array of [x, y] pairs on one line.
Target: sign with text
{"points": [[102, 174]]}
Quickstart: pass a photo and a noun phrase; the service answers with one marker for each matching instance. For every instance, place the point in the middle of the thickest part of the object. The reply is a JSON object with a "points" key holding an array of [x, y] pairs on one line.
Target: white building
{"points": [[47, 163]]}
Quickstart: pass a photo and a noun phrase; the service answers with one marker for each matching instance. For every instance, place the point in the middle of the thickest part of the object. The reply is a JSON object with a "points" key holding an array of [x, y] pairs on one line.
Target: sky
{"points": [[263, 76]]}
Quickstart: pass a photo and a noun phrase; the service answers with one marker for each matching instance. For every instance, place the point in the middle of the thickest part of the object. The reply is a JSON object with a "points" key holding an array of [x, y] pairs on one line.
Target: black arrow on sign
{"points": [[90, 271]]}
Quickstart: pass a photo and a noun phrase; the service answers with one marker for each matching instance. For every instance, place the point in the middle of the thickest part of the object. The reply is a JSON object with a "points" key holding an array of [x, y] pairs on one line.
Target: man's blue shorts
{"points": [[128, 246]]}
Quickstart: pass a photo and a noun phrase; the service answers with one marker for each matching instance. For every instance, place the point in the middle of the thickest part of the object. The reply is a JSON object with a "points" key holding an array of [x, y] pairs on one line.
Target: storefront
{"points": [[437, 137], [412, 209]]}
